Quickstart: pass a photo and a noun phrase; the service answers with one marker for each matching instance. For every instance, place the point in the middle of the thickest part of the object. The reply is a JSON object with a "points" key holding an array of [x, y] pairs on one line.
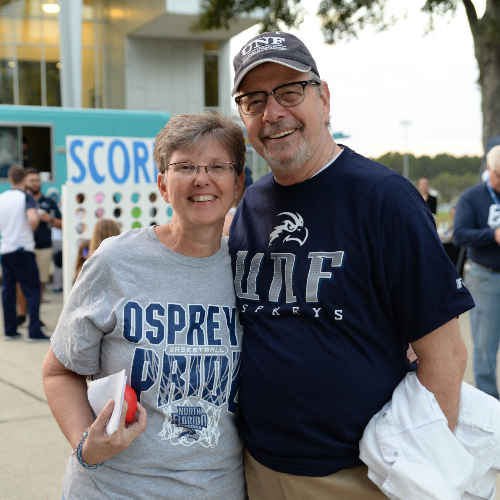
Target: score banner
{"points": [[112, 178]]}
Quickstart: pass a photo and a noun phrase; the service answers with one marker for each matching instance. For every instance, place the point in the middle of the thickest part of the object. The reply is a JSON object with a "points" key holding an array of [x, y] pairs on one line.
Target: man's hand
{"points": [[99, 447], [497, 235], [45, 216]]}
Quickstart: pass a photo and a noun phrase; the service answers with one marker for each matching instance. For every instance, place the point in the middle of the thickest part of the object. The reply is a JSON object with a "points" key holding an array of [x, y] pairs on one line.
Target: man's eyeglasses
{"points": [[289, 94], [186, 169]]}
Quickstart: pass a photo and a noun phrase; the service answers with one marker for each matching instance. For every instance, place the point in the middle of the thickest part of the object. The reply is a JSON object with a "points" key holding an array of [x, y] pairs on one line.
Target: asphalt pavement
{"points": [[33, 451]]}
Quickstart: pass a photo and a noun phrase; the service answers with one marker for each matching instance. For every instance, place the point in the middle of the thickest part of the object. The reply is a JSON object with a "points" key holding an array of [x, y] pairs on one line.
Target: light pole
{"points": [[406, 159]]}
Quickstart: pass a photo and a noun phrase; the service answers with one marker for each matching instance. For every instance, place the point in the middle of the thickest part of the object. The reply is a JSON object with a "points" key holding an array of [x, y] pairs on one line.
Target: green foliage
{"points": [[343, 19], [450, 175], [339, 18], [452, 185], [216, 14]]}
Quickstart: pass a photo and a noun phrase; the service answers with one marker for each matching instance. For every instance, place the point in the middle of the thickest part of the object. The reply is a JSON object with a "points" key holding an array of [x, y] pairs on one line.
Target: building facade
{"points": [[119, 54]]}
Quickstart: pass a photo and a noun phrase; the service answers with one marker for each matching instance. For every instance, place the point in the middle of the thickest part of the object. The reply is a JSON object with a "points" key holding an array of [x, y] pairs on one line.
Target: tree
{"points": [[345, 18]]}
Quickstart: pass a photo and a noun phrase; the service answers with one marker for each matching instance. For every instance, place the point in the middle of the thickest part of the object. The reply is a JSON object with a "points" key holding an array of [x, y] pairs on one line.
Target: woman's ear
{"points": [[162, 187], [240, 184]]}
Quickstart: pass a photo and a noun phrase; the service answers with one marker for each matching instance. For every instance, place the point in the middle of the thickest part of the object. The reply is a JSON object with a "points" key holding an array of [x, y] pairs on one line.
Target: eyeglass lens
{"points": [[288, 95], [214, 169]]}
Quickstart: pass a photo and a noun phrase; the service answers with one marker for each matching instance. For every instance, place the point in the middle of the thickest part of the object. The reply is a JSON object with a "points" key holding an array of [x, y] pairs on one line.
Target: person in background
{"points": [[50, 216], [27, 154], [57, 278], [230, 214], [104, 228], [423, 188], [159, 303], [82, 256], [337, 267], [477, 227], [456, 254], [18, 220]]}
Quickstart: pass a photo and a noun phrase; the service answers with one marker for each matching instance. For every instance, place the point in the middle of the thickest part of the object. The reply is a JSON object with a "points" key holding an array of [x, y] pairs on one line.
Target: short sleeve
{"points": [[30, 201], [425, 289], [87, 316]]}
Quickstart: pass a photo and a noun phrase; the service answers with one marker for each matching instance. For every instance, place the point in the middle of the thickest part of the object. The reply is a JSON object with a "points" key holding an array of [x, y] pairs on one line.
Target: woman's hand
{"points": [[99, 447]]}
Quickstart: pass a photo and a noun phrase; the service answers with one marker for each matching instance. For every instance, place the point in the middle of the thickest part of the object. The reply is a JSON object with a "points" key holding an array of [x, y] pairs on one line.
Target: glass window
{"points": [[6, 75], [52, 75], [211, 46], [31, 7], [211, 79], [37, 147], [87, 33], [6, 28], [6, 7], [88, 9], [28, 30], [99, 97], [51, 31], [9, 149], [29, 76], [30, 72], [88, 78]]}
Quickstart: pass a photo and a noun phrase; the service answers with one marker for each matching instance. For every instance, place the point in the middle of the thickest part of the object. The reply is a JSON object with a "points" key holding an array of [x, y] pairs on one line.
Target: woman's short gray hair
{"points": [[188, 130]]}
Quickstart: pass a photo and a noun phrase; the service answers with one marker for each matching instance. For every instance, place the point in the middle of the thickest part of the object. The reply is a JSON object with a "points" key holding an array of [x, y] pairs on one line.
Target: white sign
{"points": [[110, 160], [108, 178]]}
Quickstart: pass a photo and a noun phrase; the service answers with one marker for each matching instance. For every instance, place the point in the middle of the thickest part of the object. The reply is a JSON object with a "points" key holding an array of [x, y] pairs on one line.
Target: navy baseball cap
{"points": [[277, 47]]}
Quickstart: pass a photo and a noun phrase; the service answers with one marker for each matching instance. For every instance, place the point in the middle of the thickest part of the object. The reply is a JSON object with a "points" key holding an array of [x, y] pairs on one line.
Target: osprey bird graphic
{"points": [[296, 225]]}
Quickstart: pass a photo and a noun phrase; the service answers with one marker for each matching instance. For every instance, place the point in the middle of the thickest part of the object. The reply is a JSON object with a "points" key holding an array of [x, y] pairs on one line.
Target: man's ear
{"points": [[325, 97], [162, 187]]}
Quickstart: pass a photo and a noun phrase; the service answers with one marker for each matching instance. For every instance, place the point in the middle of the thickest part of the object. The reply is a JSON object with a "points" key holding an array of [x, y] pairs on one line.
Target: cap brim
{"points": [[290, 63]]}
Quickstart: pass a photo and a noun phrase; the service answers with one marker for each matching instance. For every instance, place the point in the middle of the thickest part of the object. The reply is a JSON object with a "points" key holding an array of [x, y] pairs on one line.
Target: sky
{"points": [[382, 79]]}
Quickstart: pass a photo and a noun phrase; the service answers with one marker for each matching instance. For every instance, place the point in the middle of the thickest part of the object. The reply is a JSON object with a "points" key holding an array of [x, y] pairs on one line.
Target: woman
{"points": [[159, 303], [81, 257], [104, 228]]}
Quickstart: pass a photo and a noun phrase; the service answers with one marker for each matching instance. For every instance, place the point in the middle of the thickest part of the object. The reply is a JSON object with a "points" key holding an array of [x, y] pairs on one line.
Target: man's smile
{"points": [[282, 134]]}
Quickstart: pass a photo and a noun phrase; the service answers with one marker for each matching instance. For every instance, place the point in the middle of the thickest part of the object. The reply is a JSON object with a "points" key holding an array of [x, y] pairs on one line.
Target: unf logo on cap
{"points": [[254, 44]]}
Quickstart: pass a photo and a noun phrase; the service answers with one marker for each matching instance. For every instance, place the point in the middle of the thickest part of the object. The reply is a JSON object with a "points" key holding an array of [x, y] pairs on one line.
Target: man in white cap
{"points": [[338, 267]]}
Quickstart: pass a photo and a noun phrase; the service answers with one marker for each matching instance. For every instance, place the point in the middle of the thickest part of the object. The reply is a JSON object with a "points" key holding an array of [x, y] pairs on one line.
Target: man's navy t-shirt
{"points": [[334, 276], [43, 233]]}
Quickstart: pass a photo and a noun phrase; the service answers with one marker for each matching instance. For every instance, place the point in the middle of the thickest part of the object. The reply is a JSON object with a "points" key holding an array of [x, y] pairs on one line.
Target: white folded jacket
{"points": [[412, 455]]}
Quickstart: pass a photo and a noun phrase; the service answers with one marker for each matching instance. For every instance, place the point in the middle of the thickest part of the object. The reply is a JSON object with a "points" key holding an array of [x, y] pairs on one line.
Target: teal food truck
{"points": [[100, 161], [36, 136]]}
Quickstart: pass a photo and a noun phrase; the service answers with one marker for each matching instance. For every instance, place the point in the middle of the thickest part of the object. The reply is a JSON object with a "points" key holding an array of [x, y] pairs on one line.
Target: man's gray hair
{"points": [[493, 158], [313, 76], [189, 130]]}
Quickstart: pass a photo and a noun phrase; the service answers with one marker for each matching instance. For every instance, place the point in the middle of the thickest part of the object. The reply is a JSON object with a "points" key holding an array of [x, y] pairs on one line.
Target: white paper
{"points": [[102, 390]]}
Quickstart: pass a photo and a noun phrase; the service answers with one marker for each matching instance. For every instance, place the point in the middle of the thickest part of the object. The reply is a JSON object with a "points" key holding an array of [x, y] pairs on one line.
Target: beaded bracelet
{"points": [[78, 452]]}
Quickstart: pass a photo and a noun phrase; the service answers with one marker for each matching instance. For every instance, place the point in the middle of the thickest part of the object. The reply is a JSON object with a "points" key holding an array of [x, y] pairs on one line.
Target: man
{"points": [[50, 216], [18, 220], [423, 188], [338, 267], [477, 226], [27, 154]]}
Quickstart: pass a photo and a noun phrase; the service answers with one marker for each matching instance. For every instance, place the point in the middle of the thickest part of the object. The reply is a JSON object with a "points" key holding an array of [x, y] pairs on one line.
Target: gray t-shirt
{"points": [[171, 322]]}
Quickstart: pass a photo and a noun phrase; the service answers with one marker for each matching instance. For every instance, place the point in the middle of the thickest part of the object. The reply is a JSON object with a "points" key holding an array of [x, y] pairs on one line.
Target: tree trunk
{"points": [[486, 34], [488, 58]]}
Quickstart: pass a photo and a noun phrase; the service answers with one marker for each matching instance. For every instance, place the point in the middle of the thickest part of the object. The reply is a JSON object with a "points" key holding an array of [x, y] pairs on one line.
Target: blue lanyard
{"points": [[493, 195]]}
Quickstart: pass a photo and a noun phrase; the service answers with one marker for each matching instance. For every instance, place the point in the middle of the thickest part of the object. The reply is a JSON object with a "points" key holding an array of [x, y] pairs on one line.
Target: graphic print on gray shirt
{"points": [[171, 322]]}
